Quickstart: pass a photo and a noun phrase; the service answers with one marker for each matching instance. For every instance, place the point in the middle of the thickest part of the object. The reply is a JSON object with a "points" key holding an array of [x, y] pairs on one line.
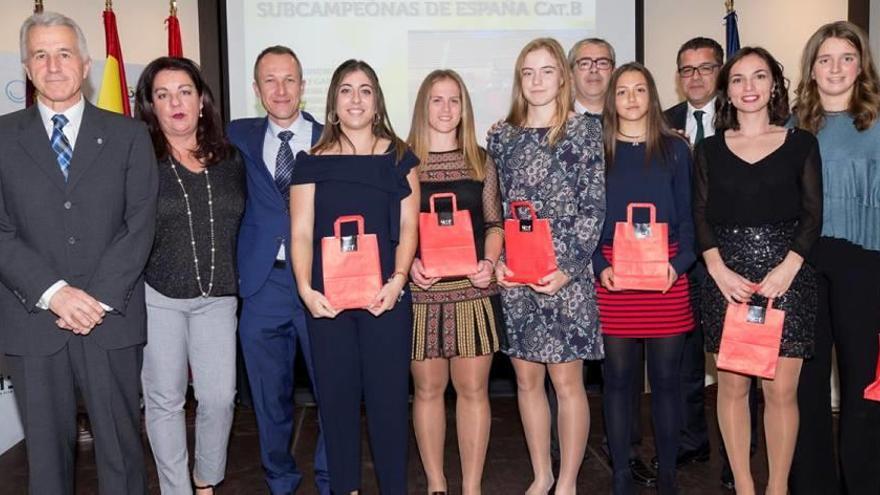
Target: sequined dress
{"points": [[566, 184], [453, 318], [755, 213]]}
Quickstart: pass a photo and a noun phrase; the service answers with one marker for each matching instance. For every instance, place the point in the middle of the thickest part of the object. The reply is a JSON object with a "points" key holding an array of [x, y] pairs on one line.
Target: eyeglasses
{"points": [[703, 69], [587, 63]]}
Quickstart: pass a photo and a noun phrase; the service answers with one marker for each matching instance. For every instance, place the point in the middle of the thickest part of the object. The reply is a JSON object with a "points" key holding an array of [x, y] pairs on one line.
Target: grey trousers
{"points": [[199, 332]]}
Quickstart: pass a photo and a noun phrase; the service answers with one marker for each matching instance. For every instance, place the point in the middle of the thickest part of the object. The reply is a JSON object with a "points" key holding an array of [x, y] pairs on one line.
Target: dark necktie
{"points": [[701, 133], [284, 165], [60, 144]]}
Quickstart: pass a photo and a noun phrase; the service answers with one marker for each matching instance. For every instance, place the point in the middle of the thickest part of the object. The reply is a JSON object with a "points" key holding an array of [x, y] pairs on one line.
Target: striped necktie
{"points": [[284, 165], [60, 143]]}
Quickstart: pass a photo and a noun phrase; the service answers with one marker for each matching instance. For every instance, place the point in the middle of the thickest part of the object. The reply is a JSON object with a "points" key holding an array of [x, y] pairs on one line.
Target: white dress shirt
{"points": [[74, 116], [708, 120], [301, 140]]}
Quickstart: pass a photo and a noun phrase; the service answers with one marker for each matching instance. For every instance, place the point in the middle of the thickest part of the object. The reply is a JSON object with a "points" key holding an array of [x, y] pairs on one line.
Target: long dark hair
{"points": [[658, 135], [777, 108], [333, 134], [212, 146]]}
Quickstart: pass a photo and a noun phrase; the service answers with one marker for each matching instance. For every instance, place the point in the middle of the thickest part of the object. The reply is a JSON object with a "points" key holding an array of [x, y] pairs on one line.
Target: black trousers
{"points": [[357, 355], [849, 320], [109, 381]]}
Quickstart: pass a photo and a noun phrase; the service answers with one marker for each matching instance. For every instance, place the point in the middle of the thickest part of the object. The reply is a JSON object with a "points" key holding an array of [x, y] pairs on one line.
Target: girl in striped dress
{"points": [[645, 163]]}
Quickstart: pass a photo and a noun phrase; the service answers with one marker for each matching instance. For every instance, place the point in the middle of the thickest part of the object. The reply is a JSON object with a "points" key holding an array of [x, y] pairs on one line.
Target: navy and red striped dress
{"points": [[665, 181]]}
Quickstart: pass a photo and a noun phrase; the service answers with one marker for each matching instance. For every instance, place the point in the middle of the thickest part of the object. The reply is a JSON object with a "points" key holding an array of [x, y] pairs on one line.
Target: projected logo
{"points": [[15, 91]]}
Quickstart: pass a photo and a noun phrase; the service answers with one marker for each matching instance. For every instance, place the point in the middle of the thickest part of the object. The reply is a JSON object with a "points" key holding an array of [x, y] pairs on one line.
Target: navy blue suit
{"points": [[272, 317]]}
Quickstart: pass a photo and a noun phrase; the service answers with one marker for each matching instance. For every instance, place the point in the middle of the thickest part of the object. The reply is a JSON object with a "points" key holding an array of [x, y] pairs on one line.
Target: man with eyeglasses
{"points": [[592, 62], [699, 61]]}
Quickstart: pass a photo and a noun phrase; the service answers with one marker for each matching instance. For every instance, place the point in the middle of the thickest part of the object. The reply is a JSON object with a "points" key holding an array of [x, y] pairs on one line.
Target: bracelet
{"points": [[396, 273]]}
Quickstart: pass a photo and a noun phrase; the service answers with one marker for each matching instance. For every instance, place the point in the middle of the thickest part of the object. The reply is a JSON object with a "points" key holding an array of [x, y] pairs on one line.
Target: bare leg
{"points": [[470, 377], [781, 421], [574, 422], [535, 414], [429, 417], [733, 420]]}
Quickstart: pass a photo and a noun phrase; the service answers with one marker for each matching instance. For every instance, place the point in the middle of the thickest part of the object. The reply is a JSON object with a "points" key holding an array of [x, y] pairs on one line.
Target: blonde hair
{"points": [[864, 104], [519, 105], [419, 132]]}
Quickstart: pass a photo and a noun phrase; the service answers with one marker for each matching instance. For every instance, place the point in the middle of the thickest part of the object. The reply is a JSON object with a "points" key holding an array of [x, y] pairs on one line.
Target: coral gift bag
{"points": [[352, 277], [446, 240], [872, 392], [640, 252], [528, 245], [750, 339]]}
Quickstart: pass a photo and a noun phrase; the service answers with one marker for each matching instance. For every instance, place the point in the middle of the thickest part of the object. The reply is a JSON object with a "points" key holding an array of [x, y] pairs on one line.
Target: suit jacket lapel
{"points": [[35, 141], [89, 143]]}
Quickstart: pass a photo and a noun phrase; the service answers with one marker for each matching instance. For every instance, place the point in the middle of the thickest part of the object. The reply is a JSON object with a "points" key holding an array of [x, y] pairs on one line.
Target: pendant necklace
{"points": [[634, 139], [192, 235]]}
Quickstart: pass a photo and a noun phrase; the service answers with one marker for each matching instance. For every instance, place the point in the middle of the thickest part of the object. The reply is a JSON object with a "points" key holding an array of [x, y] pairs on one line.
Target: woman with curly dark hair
{"points": [[838, 98], [191, 276], [757, 213]]}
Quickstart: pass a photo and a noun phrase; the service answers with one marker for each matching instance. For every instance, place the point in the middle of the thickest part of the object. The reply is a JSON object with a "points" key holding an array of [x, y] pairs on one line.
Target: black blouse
{"points": [[784, 185], [171, 269]]}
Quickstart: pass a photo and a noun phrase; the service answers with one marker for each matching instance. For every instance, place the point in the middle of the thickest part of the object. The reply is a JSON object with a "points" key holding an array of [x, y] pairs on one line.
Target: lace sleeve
{"points": [[704, 233], [810, 222], [492, 212]]}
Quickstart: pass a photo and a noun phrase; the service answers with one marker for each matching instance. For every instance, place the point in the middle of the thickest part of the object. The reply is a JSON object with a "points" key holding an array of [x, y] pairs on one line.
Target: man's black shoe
{"points": [[685, 458], [642, 474], [727, 477]]}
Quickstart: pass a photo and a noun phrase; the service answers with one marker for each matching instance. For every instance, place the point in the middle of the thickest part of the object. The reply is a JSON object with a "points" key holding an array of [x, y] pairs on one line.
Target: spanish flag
{"points": [[175, 43], [114, 90]]}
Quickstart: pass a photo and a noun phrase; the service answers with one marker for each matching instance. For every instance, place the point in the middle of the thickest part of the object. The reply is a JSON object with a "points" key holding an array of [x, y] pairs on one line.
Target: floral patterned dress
{"points": [[566, 184]]}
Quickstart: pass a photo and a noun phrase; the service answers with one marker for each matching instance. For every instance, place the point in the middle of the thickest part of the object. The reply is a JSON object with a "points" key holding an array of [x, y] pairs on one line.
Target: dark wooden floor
{"points": [[507, 467]]}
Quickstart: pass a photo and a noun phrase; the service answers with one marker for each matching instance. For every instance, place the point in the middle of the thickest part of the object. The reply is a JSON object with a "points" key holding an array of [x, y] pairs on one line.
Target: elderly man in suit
{"points": [[273, 323], [78, 192]]}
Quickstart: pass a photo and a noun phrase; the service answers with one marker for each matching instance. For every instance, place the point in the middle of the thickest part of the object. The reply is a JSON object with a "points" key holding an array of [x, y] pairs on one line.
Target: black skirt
{"points": [[752, 252]]}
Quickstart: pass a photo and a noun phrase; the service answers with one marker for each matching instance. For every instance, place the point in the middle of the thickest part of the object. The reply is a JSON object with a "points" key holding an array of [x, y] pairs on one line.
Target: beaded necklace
{"points": [[192, 235]]}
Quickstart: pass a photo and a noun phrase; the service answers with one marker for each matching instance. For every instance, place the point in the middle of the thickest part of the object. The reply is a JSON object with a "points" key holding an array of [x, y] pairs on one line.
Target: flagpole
{"points": [[172, 7], [729, 5], [38, 6]]}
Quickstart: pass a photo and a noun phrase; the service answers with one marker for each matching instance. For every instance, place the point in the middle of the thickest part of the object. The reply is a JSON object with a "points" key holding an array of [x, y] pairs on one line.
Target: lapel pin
{"points": [[100, 140]]}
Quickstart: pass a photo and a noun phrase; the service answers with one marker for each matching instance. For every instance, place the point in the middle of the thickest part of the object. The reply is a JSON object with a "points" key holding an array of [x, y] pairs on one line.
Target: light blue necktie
{"points": [[60, 143], [284, 165]]}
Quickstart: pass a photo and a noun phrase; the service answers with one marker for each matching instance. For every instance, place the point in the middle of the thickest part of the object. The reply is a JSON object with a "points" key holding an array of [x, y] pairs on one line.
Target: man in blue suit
{"points": [[272, 320]]}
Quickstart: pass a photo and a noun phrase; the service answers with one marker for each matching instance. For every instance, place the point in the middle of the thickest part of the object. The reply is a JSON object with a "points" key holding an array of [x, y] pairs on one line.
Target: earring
{"points": [[332, 118]]}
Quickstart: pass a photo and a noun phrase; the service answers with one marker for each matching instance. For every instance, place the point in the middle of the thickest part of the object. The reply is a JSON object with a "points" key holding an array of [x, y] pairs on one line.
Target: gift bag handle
{"points": [[522, 204], [649, 206], [348, 219], [443, 195]]}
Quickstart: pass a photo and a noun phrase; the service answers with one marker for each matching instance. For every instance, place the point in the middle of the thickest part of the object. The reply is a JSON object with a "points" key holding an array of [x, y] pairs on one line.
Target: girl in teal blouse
{"points": [[839, 100]]}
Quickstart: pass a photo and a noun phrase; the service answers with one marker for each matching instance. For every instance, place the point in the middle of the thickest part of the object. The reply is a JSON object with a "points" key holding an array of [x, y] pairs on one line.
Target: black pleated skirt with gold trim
{"points": [[454, 318]]}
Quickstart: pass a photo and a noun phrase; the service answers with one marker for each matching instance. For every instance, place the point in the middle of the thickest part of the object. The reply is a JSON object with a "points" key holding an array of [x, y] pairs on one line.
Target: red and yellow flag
{"points": [[114, 89], [175, 42]]}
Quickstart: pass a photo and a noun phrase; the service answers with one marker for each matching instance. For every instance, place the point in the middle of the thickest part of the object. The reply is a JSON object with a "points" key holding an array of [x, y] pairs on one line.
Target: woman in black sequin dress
{"points": [[757, 213]]}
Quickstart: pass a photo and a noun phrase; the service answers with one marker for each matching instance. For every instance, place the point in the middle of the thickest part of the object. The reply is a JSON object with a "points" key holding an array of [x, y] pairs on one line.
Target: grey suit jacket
{"points": [[95, 231]]}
